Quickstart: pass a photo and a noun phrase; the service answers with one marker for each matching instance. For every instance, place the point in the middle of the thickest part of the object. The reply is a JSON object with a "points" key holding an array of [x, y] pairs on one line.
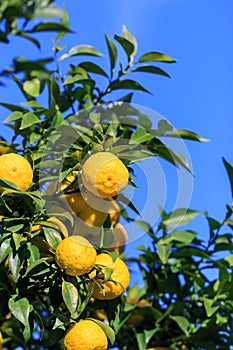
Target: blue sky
{"points": [[197, 97]]}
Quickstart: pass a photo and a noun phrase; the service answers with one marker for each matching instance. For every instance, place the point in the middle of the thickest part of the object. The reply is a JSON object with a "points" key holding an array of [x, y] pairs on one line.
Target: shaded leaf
{"points": [[151, 69], [12, 107], [128, 84], [126, 45], [50, 27], [93, 68], [183, 323], [112, 51], [229, 170]]}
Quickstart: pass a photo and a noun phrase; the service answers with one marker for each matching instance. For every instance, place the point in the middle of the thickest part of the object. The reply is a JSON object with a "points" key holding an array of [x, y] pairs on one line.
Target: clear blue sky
{"points": [[199, 94]]}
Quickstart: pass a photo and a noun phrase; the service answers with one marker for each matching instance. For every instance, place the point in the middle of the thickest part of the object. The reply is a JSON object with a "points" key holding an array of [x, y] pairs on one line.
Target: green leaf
{"points": [[34, 253], [151, 69], [107, 330], [84, 50], [21, 310], [26, 36], [163, 251], [93, 68], [136, 155], [140, 135], [179, 217], [53, 237], [65, 22], [210, 309], [38, 267], [127, 46], [50, 27], [14, 264], [28, 120], [32, 87], [127, 35], [16, 115], [128, 84], [229, 170], [12, 107], [185, 237], [70, 296], [164, 126], [187, 134], [128, 203], [112, 51], [141, 340], [5, 249], [183, 323], [156, 57], [77, 78]]}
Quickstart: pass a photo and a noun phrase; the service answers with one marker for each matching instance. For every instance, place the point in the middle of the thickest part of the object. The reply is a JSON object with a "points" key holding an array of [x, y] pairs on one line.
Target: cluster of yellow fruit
{"points": [[103, 177]]}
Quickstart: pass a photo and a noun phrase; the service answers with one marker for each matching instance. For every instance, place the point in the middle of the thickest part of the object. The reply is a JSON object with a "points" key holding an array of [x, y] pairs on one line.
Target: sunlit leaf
{"points": [[21, 309], [70, 296], [28, 120], [210, 309], [32, 87], [156, 57], [186, 134], [82, 50], [180, 217]]}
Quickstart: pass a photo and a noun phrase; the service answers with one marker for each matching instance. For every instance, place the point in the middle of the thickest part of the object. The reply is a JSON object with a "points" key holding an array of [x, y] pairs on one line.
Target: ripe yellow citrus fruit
{"points": [[76, 201], [1, 341], [75, 255], [85, 335], [91, 209], [16, 169], [120, 275], [104, 174], [93, 217], [120, 239]]}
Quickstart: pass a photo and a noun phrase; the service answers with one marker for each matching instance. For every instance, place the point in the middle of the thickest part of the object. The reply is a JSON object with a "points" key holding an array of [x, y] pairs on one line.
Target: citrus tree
{"points": [[64, 281]]}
